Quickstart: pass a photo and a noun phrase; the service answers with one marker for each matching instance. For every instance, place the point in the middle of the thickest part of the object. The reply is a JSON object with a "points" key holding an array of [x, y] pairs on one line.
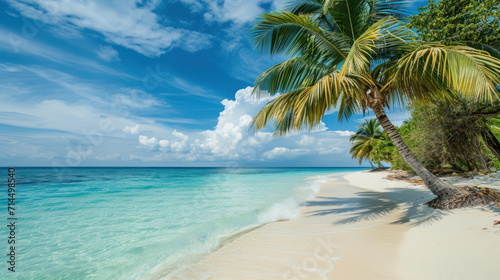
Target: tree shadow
{"points": [[370, 205]]}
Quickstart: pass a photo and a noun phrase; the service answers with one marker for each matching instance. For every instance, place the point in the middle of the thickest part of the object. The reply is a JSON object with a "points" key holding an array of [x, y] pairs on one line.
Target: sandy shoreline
{"points": [[361, 226]]}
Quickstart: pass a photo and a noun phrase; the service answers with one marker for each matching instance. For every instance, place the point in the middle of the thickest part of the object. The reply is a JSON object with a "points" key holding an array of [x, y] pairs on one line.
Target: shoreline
{"points": [[359, 226]]}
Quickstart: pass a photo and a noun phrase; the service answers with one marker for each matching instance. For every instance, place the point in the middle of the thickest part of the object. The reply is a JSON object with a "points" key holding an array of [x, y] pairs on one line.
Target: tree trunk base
{"points": [[475, 196]]}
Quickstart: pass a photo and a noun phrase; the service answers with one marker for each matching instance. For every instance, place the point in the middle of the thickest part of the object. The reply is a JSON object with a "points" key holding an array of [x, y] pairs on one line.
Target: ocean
{"points": [[143, 223]]}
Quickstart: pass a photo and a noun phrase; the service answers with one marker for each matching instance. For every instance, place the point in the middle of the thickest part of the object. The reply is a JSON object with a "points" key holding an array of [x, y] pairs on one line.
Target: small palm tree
{"points": [[356, 55], [365, 139]]}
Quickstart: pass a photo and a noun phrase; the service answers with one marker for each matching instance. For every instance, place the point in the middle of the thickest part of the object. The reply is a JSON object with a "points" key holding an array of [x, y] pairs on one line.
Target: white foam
{"points": [[290, 207]]}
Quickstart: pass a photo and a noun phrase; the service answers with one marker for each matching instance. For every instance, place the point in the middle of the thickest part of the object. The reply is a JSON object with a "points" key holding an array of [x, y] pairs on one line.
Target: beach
{"points": [[362, 226]]}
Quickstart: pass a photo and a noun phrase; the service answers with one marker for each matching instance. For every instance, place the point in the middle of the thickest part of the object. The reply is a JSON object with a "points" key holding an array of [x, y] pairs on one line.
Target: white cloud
{"points": [[236, 11], [180, 135], [128, 23], [149, 143], [107, 53], [15, 43], [131, 129], [306, 140], [136, 98], [345, 133], [282, 152], [233, 139]]}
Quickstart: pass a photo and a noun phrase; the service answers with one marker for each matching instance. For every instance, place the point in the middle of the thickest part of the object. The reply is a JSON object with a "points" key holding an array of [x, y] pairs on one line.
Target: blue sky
{"points": [[144, 83]]}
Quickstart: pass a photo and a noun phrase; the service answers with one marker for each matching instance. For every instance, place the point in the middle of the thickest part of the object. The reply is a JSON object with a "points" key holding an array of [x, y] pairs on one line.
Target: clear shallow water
{"points": [[139, 223]]}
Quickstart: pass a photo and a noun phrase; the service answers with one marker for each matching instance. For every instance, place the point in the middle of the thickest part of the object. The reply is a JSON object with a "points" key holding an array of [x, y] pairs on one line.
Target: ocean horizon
{"points": [[145, 222]]}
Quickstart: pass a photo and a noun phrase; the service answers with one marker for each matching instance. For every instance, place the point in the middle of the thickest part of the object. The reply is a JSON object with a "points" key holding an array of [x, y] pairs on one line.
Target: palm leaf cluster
{"points": [[339, 50], [365, 141]]}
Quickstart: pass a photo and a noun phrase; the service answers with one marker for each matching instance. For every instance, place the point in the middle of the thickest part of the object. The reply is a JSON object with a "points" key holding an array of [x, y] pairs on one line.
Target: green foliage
{"points": [[458, 130], [459, 21], [384, 150], [448, 136]]}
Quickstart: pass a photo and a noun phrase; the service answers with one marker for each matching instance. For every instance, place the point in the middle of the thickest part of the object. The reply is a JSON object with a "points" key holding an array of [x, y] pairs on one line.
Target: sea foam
{"points": [[289, 208]]}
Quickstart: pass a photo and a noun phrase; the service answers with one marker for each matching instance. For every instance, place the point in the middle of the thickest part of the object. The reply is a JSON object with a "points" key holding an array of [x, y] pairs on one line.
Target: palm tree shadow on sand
{"points": [[370, 205]]}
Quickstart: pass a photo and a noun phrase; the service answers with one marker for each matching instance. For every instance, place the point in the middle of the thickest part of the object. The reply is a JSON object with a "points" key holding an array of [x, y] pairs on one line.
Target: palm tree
{"points": [[356, 55], [365, 139]]}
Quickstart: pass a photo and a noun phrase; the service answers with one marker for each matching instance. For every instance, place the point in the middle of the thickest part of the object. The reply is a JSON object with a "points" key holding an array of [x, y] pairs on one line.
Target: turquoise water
{"points": [[141, 223]]}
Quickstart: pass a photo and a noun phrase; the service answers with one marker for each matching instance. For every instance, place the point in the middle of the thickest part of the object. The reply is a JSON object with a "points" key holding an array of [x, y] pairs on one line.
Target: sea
{"points": [[142, 223]]}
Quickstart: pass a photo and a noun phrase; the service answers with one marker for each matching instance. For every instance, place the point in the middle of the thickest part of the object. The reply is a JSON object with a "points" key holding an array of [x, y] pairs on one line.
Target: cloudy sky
{"points": [[144, 83]]}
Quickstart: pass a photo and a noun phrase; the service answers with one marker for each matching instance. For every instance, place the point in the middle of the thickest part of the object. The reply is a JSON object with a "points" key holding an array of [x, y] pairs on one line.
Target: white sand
{"points": [[458, 244], [361, 226]]}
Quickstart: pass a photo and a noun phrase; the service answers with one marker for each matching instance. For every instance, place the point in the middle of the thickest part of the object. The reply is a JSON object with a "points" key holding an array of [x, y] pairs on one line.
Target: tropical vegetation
{"points": [[463, 133], [358, 55], [470, 22], [444, 142]]}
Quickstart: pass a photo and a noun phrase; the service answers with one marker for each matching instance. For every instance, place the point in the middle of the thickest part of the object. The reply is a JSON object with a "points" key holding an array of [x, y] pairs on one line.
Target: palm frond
{"points": [[306, 106], [283, 32], [368, 134], [437, 72], [290, 75], [398, 9], [304, 6], [380, 39]]}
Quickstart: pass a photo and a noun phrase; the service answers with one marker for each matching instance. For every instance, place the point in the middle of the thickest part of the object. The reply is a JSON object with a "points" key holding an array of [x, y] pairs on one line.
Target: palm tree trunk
{"points": [[435, 185]]}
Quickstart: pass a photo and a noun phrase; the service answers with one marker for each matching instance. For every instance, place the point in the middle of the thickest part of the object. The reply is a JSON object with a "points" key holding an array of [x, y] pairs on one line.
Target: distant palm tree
{"points": [[365, 139], [356, 55]]}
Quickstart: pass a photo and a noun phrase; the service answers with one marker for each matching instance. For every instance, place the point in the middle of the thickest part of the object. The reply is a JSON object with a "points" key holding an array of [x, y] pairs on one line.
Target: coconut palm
{"points": [[356, 55], [365, 139]]}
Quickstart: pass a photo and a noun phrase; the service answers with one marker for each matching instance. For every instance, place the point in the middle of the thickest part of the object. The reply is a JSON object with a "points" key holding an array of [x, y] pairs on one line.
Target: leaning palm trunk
{"points": [[435, 185], [448, 196]]}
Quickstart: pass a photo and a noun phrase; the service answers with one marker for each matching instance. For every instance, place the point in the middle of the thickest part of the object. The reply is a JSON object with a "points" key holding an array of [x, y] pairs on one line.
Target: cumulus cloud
{"points": [[306, 140], [345, 133], [233, 139], [129, 23], [282, 152], [230, 139], [180, 135], [131, 129], [148, 143]]}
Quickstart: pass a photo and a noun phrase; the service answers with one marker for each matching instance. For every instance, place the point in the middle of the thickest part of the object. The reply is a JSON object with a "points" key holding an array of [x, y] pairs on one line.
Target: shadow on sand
{"points": [[370, 205]]}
